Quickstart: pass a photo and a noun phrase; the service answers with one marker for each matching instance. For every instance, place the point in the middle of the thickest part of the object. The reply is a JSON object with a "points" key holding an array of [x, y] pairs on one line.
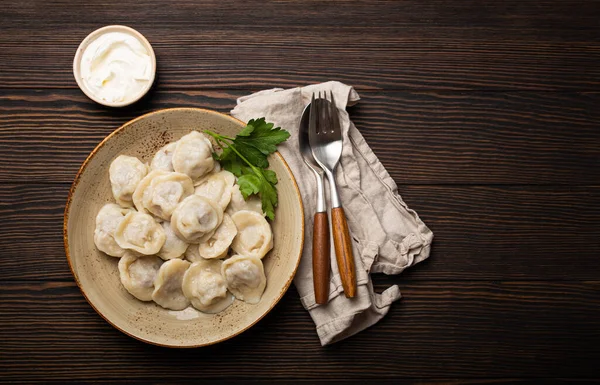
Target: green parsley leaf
{"points": [[232, 167], [270, 176], [246, 157], [230, 162], [249, 184], [253, 155], [247, 130], [268, 195], [263, 136]]}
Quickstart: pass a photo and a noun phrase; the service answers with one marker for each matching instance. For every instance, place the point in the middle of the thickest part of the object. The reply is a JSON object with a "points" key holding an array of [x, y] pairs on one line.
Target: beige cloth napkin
{"points": [[387, 236]]}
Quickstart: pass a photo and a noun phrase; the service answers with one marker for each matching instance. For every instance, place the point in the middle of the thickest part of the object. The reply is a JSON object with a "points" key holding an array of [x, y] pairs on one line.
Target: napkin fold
{"points": [[388, 237]]}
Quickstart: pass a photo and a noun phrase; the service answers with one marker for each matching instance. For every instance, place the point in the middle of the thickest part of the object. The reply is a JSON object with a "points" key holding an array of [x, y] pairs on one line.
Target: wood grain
{"points": [[343, 251], [481, 232], [484, 112], [420, 137], [509, 45], [320, 257], [437, 330]]}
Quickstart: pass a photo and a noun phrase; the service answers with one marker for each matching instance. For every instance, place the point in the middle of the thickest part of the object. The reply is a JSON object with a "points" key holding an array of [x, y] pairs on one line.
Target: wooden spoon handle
{"points": [[320, 260], [343, 251]]}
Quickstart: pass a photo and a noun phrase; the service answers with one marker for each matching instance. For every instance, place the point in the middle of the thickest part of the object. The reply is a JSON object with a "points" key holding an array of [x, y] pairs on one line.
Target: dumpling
{"points": [[138, 194], [107, 220], [174, 246], [216, 169], [245, 277], [162, 159], [193, 155], [141, 233], [125, 172], [167, 285], [217, 187], [196, 217], [137, 274], [238, 203], [205, 287], [218, 244], [254, 236], [165, 192], [192, 254]]}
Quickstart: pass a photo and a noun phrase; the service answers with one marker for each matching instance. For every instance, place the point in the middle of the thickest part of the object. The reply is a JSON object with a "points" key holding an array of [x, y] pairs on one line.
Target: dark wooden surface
{"points": [[486, 113]]}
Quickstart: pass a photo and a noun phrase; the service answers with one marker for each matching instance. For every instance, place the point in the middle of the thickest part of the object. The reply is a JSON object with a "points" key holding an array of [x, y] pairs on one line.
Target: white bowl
{"points": [[93, 36]]}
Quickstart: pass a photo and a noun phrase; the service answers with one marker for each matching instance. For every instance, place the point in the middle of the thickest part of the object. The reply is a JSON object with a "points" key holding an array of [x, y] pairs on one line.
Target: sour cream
{"points": [[116, 67]]}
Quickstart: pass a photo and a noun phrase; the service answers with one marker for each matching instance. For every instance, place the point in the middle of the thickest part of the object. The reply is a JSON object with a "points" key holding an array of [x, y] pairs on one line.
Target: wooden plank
{"points": [[392, 381], [509, 45], [481, 232], [438, 330], [421, 138], [488, 137], [342, 381]]}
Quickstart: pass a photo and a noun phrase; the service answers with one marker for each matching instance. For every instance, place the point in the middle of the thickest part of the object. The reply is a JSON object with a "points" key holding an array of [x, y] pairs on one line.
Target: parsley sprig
{"points": [[246, 157]]}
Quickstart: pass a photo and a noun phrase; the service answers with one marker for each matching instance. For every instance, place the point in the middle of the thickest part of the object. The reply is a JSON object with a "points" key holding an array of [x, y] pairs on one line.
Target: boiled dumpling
{"points": [[167, 285], [162, 159], [216, 169], [217, 187], [218, 244], [254, 236], [192, 254], [138, 194], [107, 220], [205, 287], [165, 192], [174, 246], [238, 203], [196, 217], [137, 274], [141, 233], [125, 172], [245, 277], [193, 155]]}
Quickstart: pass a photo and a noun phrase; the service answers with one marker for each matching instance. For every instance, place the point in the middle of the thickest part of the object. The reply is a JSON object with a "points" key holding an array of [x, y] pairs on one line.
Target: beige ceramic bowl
{"points": [[96, 273], [93, 36]]}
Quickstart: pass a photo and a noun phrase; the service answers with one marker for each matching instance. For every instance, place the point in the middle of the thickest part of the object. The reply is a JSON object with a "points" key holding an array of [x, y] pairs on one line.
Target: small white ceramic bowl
{"points": [[93, 36]]}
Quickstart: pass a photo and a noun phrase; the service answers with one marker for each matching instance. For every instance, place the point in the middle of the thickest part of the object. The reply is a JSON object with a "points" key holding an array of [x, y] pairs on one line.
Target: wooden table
{"points": [[486, 114]]}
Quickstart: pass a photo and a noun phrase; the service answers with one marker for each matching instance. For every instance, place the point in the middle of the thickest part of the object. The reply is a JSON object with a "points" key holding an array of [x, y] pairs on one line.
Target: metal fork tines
{"points": [[325, 139]]}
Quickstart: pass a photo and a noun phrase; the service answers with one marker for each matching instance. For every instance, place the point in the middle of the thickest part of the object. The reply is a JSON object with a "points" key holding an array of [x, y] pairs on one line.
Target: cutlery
{"points": [[320, 251], [325, 138]]}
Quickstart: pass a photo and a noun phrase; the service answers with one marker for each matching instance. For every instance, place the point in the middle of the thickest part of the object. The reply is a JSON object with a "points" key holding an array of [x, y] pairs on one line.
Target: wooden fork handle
{"points": [[320, 260], [343, 251]]}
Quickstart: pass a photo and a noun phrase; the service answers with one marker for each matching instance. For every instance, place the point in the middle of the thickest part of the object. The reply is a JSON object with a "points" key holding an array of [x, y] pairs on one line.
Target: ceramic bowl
{"points": [[97, 274], [93, 36]]}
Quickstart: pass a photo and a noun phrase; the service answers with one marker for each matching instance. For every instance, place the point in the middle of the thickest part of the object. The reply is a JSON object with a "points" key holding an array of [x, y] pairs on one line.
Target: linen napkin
{"points": [[388, 237]]}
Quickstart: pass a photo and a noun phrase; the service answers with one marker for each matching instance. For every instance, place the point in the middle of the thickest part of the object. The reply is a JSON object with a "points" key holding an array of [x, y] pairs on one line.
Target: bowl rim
{"points": [[75, 184], [89, 39]]}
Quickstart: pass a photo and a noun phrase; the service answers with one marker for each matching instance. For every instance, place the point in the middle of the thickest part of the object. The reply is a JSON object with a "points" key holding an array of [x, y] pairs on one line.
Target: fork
{"points": [[325, 139], [321, 260]]}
